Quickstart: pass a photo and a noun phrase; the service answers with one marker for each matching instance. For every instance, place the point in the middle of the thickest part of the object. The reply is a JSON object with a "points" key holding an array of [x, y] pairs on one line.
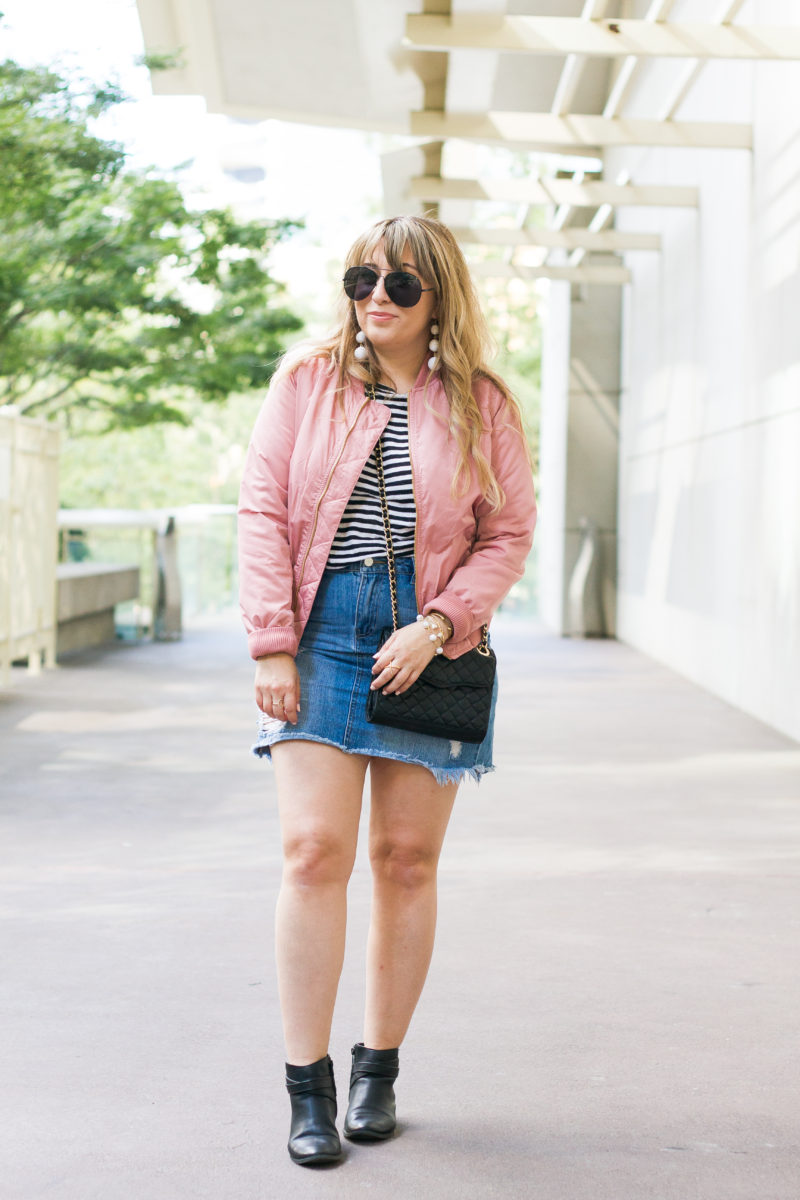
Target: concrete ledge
{"points": [[87, 595]]}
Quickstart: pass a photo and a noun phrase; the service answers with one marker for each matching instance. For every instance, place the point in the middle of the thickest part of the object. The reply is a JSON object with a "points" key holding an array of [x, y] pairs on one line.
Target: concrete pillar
{"points": [[579, 457]]}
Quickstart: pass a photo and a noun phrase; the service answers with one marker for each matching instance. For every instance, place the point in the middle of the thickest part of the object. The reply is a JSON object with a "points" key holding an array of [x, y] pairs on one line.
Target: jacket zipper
{"points": [[322, 495]]}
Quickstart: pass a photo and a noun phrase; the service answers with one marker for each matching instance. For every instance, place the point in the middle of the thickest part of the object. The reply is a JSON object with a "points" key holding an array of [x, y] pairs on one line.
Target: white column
{"points": [[579, 458]]}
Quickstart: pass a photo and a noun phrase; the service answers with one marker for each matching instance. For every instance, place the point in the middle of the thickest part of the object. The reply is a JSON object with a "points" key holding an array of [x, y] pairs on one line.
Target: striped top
{"points": [[360, 531]]}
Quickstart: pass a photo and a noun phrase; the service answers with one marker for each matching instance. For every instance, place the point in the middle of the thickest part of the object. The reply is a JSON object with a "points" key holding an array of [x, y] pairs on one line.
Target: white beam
{"points": [[554, 191], [573, 67], [187, 26], [590, 274], [598, 225], [569, 79], [579, 130], [659, 10], [610, 241], [691, 69], [471, 75], [603, 38]]}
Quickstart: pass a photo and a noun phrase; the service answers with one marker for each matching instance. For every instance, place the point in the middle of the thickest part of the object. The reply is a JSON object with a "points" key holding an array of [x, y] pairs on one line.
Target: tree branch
{"points": [[42, 401]]}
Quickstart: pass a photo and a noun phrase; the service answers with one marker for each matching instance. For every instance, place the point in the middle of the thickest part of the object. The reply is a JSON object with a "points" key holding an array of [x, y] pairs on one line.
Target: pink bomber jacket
{"points": [[306, 453]]}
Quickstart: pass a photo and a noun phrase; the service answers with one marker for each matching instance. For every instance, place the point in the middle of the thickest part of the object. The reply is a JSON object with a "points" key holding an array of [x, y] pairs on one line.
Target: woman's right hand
{"points": [[278, 687]]}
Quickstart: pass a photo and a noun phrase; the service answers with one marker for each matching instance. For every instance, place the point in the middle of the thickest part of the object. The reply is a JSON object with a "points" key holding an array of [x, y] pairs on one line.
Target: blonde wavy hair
{"points": [[464, 340]]}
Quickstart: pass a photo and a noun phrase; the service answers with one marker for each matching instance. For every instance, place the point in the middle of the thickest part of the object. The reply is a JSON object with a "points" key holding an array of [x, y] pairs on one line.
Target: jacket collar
{"points": [[354, 395]]}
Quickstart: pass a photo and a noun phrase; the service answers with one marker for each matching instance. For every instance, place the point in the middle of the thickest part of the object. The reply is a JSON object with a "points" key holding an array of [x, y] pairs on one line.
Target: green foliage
{"points": [[115, 298], [155, 61], [162, 465], [511, 310]]}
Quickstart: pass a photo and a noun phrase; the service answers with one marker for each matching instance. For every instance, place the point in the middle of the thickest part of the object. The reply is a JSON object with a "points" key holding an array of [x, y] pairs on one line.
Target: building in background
{"points": [[664, 215]]}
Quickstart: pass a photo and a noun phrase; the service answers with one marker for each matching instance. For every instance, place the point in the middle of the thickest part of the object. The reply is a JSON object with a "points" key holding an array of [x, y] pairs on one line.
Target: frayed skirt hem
{"points": [[442, 775]]}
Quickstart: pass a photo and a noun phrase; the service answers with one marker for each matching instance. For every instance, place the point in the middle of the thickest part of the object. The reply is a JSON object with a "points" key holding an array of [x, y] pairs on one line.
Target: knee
{"points": [[404, 864], [316, 859]]}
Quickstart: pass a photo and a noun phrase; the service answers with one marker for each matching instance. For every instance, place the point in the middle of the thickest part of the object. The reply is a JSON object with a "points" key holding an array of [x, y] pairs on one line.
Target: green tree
{"points": [[511, 309], [116, 300]]}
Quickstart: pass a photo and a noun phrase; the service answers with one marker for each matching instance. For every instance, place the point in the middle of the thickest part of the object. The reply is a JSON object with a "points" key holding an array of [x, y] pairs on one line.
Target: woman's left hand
{"points": [[402, 658]]}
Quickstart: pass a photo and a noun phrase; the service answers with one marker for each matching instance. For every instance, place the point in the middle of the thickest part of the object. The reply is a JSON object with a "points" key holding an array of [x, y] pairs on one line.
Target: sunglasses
{"points": [[403, 289]]}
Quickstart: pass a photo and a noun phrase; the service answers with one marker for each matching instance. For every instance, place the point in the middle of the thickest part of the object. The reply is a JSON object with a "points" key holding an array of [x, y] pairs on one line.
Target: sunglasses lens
{"points": [[403, 289], [359, 282]]}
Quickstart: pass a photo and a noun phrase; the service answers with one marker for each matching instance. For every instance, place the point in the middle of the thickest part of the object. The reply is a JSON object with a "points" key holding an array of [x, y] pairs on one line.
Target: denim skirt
{"points": [[334, 661]]}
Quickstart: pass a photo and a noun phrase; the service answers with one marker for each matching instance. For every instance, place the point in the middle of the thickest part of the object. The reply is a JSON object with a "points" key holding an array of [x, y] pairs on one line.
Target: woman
{"points": [[315, 598]]}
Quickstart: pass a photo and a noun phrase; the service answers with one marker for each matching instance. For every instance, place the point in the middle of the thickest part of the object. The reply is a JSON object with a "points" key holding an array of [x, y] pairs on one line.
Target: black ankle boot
{"points": [[370, 1113], [313, 1138]]}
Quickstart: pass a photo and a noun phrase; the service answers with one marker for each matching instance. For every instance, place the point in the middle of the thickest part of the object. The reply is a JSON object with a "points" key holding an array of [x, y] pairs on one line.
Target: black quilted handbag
{"points": [[452, 698]]}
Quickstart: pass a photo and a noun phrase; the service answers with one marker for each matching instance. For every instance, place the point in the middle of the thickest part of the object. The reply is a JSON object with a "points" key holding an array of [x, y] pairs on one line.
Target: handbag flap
{"points": [[469, 670]]}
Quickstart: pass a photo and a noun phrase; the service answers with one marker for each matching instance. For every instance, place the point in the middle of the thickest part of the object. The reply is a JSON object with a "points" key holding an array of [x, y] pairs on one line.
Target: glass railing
{"points": [[186, 558]]}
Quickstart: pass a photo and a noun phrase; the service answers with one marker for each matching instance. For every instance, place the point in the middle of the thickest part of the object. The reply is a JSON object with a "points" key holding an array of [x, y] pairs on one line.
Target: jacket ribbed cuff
{"points": [[450, 606], [282, 640]]}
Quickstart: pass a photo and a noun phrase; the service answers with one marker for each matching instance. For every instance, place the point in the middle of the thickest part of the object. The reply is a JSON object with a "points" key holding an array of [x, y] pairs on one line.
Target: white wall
{"points": [[709, 506]]}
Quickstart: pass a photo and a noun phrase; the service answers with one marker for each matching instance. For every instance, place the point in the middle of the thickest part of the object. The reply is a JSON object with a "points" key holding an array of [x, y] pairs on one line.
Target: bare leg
{"points": [[319, 800], [408, 820]]}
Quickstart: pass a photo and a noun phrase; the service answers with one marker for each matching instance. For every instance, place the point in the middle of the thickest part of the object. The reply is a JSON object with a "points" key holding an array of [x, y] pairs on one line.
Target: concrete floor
{"points": [[613, 1007]]}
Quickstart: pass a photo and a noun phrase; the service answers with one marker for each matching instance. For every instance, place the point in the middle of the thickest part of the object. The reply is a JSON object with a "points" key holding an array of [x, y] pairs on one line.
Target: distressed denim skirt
{"points": [[334, 661]]}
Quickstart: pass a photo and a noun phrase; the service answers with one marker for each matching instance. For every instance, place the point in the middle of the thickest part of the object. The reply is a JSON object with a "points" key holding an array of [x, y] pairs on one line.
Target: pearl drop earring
{"points": [[433, 345], [361, 352]]}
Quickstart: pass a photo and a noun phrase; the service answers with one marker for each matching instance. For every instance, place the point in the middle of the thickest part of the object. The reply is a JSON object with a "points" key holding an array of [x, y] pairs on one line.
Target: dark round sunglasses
{"points": [[403, 289]]}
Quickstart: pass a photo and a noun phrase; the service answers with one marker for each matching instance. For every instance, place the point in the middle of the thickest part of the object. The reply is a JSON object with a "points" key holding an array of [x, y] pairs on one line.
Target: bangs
{"points": [[395, 239], [397, 233]]}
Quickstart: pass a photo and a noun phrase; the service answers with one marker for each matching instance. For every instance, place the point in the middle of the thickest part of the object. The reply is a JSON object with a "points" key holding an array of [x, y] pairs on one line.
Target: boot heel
{"points": [[312, 1137], [371, 1111]]}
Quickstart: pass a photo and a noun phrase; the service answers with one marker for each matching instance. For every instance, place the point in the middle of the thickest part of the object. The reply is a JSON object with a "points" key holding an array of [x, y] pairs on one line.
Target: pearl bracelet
{"points": [[436, 632]]}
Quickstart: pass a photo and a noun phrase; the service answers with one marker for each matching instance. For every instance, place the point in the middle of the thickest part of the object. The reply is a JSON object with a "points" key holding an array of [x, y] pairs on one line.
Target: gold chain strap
{"points": [[483, 645], [387, 528]]}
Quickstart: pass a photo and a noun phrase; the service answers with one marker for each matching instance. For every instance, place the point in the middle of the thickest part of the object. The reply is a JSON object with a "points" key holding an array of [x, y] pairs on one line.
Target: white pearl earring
{"points": [[433, 345], [361, 352]]}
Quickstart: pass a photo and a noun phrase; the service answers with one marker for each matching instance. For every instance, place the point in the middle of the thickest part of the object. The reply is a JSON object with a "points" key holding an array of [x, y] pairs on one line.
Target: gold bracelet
{"points": [[436, 633], [443, 630], [448, 624]]}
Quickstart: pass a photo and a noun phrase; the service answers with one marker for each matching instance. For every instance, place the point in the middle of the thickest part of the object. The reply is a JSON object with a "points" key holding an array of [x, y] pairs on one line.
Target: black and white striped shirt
{"points": [[360, 531]]}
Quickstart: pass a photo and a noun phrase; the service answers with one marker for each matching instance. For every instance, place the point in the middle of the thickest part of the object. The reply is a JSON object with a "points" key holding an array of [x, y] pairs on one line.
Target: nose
{"points": [[380, 294]]}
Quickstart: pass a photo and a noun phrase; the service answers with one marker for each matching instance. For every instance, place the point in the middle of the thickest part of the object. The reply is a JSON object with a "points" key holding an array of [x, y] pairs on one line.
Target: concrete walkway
{"points": [[613, 1006]]}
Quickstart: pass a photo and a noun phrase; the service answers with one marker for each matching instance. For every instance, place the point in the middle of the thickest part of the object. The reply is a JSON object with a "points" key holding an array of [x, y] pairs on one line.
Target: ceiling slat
{"points": [[599, 273], [554, 191], [579, 130], [610, 240], [602, 37]]}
